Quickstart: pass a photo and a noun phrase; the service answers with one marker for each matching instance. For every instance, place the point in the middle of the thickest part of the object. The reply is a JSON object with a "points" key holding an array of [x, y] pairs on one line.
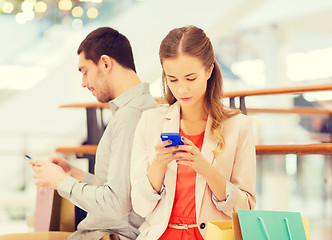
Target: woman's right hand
{"points": [[164, 156], [67, 167]]}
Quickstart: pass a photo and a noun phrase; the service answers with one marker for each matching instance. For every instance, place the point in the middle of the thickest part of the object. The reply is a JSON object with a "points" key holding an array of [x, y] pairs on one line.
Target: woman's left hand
{"points": [[191, 156]]}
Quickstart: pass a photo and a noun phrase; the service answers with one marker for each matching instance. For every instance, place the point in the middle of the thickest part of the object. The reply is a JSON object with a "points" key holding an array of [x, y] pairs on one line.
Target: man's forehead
{"points": [[81, 57], [82, 61]]}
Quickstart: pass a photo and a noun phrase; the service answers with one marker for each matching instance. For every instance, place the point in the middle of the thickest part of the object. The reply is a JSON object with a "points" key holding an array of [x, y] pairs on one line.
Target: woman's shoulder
{"points": [[239, 118], [160, 109]]}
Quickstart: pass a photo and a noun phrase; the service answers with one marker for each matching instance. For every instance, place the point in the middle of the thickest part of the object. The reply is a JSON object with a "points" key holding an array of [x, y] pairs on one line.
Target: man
{"points": [[106, 62]]}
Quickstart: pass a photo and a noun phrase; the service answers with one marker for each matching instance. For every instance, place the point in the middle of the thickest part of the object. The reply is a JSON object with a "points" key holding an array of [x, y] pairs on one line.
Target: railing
{"points": [[323, 148], [272, 91], [294, 110], [232, 95], [90, 149]]}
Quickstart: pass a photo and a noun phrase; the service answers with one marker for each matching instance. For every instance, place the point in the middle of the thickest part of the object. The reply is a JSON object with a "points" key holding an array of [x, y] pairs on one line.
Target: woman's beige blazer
{"points": [[237, 163]]}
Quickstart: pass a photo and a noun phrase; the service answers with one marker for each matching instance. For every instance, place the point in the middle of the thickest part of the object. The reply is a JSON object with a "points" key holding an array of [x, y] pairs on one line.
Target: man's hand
{"points": [[47, 174], [67, 167]]}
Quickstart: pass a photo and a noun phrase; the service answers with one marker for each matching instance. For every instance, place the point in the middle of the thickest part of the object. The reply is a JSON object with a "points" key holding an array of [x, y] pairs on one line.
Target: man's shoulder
{"points": [[128, 114], [142, 102]]}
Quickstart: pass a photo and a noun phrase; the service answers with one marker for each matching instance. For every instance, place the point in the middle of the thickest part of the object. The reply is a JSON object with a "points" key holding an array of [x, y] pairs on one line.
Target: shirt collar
{"points": [[128, 95]]}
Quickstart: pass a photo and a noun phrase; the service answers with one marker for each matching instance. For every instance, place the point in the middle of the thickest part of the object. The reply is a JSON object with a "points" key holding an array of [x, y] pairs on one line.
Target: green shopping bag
{"points": [[271, 225]]}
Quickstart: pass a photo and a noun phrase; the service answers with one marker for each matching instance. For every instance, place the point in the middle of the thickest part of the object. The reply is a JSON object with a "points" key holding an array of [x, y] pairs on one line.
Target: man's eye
{"points": [[191, 79], [173, 80]]}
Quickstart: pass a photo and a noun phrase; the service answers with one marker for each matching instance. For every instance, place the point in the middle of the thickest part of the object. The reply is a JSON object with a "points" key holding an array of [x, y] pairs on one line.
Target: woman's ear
{"points": [[210, 70]]}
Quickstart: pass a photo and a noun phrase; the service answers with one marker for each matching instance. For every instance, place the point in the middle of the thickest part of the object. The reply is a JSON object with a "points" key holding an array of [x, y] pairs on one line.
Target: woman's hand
{"points": [[190, 155], [164, 156]]}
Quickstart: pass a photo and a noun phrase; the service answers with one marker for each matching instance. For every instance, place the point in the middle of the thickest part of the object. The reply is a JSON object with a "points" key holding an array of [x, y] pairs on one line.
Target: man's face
{"points": [[94, 78]]}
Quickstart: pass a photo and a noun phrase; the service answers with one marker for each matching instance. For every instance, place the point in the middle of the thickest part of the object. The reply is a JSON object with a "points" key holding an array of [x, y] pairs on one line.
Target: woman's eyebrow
{"points": [[170, 76], [189, 74], [184, 75]]}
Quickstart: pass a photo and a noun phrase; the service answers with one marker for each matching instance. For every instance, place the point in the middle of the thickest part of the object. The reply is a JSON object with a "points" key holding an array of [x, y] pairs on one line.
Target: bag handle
{"points": [[264, 228], [267, 234], [288, 229]]}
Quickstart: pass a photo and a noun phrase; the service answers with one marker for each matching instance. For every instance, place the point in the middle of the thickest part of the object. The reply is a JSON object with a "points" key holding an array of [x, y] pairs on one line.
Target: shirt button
{"points": [[202, 226]]}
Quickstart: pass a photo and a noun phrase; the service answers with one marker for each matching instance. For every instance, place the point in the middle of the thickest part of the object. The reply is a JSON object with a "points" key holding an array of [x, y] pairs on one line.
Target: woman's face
{"points": [[187, 79]]}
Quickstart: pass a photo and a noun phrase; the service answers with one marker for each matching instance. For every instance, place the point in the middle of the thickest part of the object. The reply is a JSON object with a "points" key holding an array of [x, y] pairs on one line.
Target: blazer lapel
{"points": [[209, 144], [172, 119], [171, 124]]}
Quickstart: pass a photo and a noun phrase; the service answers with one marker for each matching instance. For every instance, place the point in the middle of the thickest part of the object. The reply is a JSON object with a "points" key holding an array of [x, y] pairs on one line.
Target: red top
{"points": [[184, 207]]}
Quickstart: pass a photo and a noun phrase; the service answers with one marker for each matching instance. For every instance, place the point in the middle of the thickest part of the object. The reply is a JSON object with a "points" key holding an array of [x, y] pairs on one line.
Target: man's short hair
{"points": [[107, 41]]}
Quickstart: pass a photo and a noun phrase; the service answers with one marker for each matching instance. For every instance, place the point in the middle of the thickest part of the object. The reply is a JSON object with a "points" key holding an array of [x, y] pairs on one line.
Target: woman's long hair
{"points": [[193, 41]]}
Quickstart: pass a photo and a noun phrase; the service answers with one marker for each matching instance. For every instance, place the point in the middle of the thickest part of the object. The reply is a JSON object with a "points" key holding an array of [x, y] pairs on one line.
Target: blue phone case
{"points": [[174, 137]]}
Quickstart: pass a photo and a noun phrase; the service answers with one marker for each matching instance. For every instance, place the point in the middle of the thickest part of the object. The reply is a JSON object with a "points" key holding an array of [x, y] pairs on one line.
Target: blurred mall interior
{"points": [[259, 44]]}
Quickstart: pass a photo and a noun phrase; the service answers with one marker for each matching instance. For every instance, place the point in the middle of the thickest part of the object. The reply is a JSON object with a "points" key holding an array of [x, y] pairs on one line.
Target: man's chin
{"points": [[104, 100]]}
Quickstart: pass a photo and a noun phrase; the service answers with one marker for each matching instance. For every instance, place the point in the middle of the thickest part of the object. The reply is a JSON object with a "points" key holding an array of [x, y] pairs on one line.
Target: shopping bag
{"points": [[47, 211], [222, 230], [271, 225], [305, 222], [231, 230], [43, 209]]}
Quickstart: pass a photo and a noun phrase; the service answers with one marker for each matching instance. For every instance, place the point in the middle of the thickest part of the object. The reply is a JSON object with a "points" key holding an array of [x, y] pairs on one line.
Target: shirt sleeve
{"points": [[88, 178], [240, 190], [144, 197], [113, 197]]}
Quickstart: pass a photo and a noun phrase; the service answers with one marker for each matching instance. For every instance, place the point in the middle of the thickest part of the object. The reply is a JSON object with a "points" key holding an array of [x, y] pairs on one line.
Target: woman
{"points": [[179, 189]]}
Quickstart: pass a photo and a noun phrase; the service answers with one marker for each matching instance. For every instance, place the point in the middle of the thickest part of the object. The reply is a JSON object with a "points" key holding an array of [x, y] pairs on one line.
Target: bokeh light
{"points": [[20, 18], [27, 6], [77, 24], [65, 5], [7, 7], [92, 12], [40, 7], [77, 12]]}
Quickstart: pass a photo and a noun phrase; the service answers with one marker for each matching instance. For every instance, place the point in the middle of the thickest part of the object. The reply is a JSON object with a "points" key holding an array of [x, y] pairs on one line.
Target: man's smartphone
{"points": [[27, 157], [174, 137]]}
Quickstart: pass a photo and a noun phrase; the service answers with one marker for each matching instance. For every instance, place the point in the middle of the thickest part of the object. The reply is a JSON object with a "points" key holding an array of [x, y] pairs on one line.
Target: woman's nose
{"points": [[183, 88]]}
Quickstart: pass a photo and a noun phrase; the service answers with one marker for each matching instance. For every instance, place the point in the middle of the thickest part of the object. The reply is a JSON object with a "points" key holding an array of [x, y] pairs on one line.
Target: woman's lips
{"points": [[186, 99]]}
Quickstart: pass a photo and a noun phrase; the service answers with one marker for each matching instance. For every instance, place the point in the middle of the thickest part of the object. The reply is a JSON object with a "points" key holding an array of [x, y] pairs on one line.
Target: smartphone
{"points": [[174, 137], [27, 157]]}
